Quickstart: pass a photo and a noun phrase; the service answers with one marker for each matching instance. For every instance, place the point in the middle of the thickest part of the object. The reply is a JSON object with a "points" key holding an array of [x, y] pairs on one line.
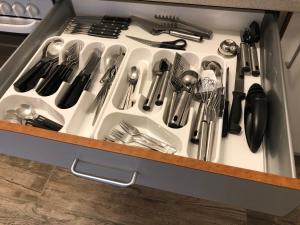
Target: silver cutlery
{"points": [[61, 72], [160, 69], [209, 93], [164, 84], [41, 69], [216, 67], [156, 29], [180, 65], [177, 22], [135, 132], [128, 139], [26, 115], [106, 81], [106, 26], [132, 135], [132, 79], [25, 111]]}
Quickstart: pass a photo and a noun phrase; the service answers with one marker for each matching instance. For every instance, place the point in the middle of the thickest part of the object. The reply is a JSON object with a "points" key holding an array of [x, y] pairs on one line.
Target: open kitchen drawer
{"points": [[264, 181]]}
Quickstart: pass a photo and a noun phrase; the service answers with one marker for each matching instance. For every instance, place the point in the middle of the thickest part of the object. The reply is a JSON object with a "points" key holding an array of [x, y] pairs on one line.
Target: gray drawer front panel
{"points": [[202, 184]]}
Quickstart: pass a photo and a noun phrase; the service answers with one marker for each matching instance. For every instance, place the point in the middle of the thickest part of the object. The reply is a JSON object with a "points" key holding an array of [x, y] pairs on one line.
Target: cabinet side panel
{"points": [[279, 152]]}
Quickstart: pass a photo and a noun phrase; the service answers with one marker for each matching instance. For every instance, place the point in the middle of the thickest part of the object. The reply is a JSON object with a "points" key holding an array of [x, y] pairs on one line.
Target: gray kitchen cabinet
{"points": [[290, 52]]}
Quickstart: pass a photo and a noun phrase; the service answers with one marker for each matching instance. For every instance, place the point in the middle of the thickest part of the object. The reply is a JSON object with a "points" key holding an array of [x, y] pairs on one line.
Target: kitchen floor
{"points": [[33, 193]]}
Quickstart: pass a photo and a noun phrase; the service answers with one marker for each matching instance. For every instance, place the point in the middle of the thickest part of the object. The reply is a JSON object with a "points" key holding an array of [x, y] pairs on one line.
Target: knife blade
{"points": [[226, 104], [238, 97]]}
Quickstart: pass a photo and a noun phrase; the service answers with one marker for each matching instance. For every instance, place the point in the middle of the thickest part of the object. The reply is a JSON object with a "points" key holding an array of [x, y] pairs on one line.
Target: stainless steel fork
{"points": [[128, 139], [136, 133]]}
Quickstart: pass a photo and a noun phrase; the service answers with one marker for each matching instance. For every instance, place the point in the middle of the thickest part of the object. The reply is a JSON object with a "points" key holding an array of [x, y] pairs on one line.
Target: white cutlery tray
{"points": [[78, 121]]}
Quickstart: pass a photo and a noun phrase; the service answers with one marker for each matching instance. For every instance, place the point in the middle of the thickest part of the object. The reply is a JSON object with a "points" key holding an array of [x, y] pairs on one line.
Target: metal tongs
{"points": [[156, 29]]}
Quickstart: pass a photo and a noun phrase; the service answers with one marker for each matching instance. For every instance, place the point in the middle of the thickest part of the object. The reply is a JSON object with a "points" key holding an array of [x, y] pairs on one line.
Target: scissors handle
{"points": [[179, 44]]}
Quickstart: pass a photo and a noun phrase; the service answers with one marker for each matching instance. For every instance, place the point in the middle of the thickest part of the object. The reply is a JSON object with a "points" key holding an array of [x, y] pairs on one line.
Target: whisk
{"points": [[209, 93]]}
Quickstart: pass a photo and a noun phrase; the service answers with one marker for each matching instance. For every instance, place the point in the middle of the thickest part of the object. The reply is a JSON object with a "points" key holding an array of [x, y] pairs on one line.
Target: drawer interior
{"points": [[275, 154]]}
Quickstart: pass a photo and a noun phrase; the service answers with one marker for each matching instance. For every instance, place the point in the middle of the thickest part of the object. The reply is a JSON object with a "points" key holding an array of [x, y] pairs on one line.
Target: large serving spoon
{"points": [[30, 79]]}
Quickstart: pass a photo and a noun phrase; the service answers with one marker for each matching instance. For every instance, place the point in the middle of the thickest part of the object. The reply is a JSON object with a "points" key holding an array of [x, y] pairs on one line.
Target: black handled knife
{"points": [[226, 105], [238, 97]]}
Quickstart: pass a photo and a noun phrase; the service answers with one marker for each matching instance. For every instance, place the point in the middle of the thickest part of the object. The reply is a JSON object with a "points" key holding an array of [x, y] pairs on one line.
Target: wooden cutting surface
{"points": [[35, 194]]}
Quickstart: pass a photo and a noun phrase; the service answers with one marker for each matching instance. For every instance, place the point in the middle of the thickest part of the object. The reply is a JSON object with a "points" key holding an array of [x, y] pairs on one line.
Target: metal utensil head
{"points": [[214, 66], [180, 65], [71, 54], [228, 48], [12, 117], [189, 79], [25, 111], [144, 41], [147, 25], [133, 75], [53, 48]]}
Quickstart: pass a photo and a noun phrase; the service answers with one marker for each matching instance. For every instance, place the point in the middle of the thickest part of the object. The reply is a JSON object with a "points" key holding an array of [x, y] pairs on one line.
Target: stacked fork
{"points": [[132, 135]]}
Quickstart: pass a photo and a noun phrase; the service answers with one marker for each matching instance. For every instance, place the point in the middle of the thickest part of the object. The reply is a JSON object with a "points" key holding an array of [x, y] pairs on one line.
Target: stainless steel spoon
{"points": [[12, 117], [25, 111], [132, 78], [109, 62], [62, 72]]}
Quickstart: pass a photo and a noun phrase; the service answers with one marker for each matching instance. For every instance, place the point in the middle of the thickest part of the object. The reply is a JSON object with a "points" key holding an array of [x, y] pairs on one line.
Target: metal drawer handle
{"points": [[102, 180], [290, 63]]}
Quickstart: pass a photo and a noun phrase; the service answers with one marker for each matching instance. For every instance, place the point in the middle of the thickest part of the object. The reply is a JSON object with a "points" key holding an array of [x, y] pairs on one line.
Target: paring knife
{"points": [[81, 81], [238, 97]]}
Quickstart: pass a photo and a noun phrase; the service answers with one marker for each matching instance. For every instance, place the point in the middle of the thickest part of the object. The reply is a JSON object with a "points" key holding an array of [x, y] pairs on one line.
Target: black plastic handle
{"points": [[74, 92], [225, 119], [236, 112], [255, 31], [179, 44], [45, 87], [107, 29], [52, 83], [33, 123], [50, 124], [255, 116], [29, 80]]}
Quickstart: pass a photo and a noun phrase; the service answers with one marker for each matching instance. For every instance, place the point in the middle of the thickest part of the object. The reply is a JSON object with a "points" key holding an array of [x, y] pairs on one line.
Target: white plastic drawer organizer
{"points": [[79, 119]]}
